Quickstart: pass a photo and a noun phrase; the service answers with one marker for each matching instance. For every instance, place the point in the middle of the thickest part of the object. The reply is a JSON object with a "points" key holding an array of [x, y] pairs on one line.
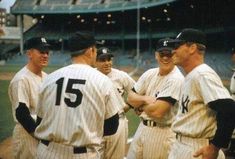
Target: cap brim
{"points": [[105, 56], [43, 48], [164, 49], [99, 42], [174, 41]]}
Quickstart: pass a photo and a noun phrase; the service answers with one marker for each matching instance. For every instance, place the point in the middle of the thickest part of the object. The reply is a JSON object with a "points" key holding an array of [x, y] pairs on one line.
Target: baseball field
{"points": [[6, 119]]}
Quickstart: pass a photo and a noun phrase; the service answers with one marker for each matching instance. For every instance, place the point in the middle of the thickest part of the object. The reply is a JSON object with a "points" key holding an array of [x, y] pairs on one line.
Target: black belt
{"points": [[152, 123], [76, 150]]}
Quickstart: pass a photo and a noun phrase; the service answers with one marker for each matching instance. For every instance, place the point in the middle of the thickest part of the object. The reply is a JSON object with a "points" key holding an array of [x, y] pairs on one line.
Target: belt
{"points": [[183, 138], [152, 123], [76, 150]]}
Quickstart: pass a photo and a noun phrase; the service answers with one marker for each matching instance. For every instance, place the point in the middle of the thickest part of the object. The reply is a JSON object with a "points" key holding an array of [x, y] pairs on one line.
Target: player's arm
{"points": [[160, 107], [225, 109], [136, 100], [24, 117], [111, 125]]}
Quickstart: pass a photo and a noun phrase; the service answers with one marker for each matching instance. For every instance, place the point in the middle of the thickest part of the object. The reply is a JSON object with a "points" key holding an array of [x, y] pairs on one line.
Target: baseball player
{"points": [[156, 92], [232, 90], [115, 145], [23, 93], [205, 118], [77, 106]]}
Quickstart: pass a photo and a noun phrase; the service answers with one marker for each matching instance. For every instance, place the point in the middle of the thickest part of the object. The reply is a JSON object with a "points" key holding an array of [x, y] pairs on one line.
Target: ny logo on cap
{"points": [[178, 35], [105, 51], [43, 40], [165, 43]]}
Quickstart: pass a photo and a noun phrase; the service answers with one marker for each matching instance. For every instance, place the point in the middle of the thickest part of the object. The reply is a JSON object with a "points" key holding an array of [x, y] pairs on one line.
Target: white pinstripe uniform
{"points": [[74, 102], [115, 145], [195, 121], [232, 86], [24, 87], [149, 141], [232, 90]]}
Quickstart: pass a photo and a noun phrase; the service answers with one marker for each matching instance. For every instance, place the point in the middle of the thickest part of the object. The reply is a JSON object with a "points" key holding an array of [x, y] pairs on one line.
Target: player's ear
{"points": [[29, 53], [192, 48]]}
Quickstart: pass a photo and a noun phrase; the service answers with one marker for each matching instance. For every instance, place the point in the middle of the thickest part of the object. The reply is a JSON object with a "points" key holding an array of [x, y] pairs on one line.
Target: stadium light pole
{"points": [[21, 34], [138, 34]]}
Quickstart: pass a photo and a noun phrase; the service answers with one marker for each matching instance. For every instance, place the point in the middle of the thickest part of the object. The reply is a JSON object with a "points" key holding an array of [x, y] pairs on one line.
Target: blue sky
{"points": [[6, 4]]}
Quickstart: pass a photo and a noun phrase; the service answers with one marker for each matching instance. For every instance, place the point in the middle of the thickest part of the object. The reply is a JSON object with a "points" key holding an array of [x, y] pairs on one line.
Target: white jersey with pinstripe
{"points": [[154, 142], [115, 145], [232, 90], [24, 87], [201, 86], [74, 102], [232, 86]]}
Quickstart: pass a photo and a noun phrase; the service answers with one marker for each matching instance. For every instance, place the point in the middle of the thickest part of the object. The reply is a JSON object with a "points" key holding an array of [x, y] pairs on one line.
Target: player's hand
{"points": [[149, 100], [139, 110], [207, 152]]}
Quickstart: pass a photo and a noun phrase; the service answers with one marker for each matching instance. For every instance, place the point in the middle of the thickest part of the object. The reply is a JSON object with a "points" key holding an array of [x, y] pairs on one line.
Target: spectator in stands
{"points": [[23, 94], [1, 32], [115, 145]]}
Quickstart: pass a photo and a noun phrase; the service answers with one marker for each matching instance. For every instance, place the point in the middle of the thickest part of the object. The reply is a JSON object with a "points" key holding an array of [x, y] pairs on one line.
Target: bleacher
{"points": [[81, 6], [56, 58]]}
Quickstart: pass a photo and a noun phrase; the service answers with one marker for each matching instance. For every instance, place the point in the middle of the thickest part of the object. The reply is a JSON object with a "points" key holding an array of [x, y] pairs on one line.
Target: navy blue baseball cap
{"points": [[80, 41], [164, 45], [39, 43], [190, 35], [104, 52]]}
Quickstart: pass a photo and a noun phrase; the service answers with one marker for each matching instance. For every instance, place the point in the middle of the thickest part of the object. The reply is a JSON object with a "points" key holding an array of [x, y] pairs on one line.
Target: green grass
{"points": [[6, 118], [133, 122]]}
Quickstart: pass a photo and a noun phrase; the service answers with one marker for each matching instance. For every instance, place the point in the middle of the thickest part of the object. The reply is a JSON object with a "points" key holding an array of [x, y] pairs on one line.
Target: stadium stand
{"points": [[115, 21]]}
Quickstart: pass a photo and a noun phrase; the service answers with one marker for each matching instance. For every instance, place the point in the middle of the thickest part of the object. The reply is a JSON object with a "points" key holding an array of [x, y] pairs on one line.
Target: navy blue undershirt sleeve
{"points": [[168, 99], [111, 125], [225, 117], [24, 118]]}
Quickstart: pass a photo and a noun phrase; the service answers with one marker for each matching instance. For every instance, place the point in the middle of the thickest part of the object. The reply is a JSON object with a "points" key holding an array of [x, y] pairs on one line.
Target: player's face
{"points": [[180, 54], [165, 61], [104, 65], [38, 58], [233, 57]]}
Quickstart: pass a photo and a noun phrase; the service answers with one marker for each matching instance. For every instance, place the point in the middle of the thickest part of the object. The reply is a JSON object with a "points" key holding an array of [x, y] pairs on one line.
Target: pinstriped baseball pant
{"points": [[115, 145], [24, 145], [58, 151], [151, 143], [185, 147]]}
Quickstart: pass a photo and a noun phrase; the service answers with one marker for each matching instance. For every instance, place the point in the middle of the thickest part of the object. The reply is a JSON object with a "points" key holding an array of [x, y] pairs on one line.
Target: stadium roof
{"points": [[80, 6]]}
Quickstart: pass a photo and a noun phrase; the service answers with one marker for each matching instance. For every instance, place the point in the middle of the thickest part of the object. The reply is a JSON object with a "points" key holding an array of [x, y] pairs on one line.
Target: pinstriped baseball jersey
{"points": [[232, 86], [24, 87], [232, 90], [152, 84], [74, 102], [202, 85], [115, 145], [121, 80], [154, 141]]}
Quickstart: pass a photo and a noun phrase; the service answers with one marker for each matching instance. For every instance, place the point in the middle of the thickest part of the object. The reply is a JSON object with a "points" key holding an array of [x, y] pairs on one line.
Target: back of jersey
{"points": [[74, 102]]}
